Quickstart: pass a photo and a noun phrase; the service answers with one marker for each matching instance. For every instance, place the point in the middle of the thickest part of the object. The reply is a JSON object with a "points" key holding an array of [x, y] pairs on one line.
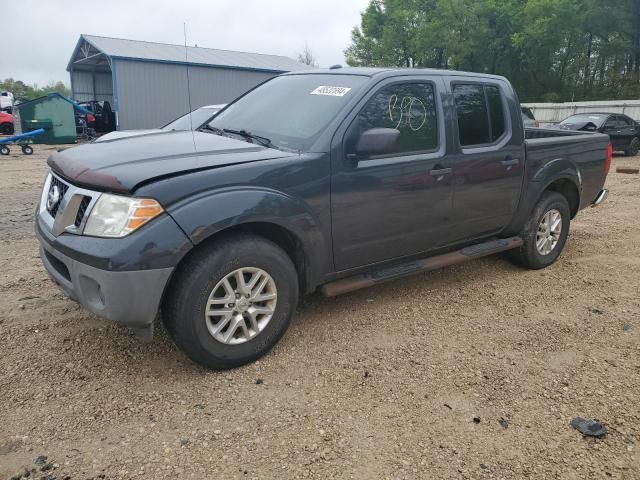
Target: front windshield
{"points": [[597, 120], [292, 110], [198, 116]]}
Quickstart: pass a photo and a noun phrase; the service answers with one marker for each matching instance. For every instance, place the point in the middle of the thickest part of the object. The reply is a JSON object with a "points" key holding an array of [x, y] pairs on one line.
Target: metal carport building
{"points": [[146, 82]]}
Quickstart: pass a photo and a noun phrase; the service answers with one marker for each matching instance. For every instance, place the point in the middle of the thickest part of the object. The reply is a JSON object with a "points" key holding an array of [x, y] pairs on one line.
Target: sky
{"points": [[43, 33]]}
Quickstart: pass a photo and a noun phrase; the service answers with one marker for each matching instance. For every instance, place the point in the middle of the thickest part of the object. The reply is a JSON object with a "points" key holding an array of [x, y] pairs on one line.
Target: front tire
{"points": [[546, 232], [633, 148], [231, 301]]}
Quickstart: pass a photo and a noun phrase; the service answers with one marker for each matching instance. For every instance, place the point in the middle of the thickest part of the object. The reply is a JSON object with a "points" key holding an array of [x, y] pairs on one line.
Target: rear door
{"points": [[396, 204], [489, 162]]}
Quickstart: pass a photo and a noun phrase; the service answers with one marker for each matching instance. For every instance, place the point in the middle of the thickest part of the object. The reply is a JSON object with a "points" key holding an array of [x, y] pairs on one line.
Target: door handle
{"points": [[510, 162], [438, 172]]}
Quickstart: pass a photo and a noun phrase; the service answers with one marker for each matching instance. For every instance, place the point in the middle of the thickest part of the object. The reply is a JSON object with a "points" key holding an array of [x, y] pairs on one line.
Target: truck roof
{"points": [[392, 72]]}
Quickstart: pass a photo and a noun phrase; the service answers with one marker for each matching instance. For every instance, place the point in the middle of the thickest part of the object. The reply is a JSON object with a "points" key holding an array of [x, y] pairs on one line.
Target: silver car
{"points": [[188, 121]]}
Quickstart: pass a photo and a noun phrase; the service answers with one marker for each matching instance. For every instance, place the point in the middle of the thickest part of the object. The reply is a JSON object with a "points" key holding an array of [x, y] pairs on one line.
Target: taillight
{"points": [[607, 159]]}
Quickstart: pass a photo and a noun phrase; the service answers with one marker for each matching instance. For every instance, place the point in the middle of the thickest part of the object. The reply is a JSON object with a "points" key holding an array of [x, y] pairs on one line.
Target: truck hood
{"points": [[121, 165]]}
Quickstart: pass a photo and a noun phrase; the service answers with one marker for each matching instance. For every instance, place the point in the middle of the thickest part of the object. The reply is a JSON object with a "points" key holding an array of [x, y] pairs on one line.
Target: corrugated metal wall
{"points": [[82, 83], [152, 94], [556, 112], [104, 87]]}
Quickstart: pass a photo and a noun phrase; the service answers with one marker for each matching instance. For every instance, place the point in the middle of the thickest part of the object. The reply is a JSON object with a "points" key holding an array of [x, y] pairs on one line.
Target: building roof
{"points": [[90, 48]]}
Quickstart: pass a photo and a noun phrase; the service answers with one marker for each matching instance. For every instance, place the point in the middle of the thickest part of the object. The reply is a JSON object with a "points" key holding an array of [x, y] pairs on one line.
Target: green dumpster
{"points": [[53, 113]]}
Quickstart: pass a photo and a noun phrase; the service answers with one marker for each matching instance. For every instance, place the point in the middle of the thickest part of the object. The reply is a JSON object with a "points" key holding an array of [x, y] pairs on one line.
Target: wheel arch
{"points": [[568, 189], [281, 236], [566, 184], [284, 220], [561, 175]]}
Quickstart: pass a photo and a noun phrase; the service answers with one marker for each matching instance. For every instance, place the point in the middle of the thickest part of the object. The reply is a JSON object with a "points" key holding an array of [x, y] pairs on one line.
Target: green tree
{"points": [[22, 91], [550, 49]]}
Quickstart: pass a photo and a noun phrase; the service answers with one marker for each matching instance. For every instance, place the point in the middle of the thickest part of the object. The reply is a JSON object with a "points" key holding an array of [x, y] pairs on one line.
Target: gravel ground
{"points": [[381, 383]]}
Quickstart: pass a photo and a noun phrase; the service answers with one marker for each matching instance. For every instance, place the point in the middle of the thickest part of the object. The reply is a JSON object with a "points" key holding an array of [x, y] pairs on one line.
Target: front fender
{"points": [[212, 212]]}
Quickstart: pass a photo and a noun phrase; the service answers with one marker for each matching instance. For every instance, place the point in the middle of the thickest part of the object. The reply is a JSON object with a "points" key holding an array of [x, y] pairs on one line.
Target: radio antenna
{"points": [[186, 59]]}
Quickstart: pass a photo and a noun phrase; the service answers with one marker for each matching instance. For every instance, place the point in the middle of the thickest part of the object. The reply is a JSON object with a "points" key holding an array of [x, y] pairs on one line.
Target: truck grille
{"points": [[82, 209], [65, 207], [57, 191]]}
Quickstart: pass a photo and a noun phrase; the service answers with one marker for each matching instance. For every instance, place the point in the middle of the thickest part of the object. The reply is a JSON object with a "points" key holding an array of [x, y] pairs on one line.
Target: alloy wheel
{"points": [[241, 305], [549, 231]]}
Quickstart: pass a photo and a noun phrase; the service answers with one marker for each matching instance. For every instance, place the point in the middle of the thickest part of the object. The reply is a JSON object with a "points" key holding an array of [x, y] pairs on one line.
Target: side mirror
{"points": [[378, 141], [590, 127]]}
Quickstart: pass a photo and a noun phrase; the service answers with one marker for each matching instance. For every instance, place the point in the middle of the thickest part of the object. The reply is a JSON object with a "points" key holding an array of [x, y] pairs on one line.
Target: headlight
{"points": [[117, 216]]}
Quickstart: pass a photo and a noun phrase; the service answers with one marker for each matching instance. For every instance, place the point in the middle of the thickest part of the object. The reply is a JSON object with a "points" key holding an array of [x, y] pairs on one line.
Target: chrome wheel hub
{"points": [[549, 230], [241, 305]]}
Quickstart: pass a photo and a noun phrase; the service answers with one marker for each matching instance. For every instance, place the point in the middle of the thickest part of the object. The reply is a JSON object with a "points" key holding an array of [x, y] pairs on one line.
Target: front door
{"points": [[396, 204], [489, 165], [612, 128]]}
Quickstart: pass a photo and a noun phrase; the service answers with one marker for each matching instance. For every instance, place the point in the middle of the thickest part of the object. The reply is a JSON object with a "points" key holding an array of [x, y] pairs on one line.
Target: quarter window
{"points": [[481, 116], [409, 108]]}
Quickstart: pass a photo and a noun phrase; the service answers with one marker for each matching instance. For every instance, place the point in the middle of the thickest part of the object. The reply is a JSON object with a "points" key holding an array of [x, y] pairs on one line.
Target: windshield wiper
{"points": [[264, 141], [215, 130]]}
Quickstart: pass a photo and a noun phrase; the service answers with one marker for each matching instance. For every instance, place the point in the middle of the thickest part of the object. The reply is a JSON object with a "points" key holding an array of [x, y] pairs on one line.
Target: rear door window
{"points": [[473, 115], [480, 112]]}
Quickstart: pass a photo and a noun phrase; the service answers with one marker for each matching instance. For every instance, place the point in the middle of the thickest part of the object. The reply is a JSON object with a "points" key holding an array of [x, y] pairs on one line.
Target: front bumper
{"points": [[98, 278], [131, 297]]}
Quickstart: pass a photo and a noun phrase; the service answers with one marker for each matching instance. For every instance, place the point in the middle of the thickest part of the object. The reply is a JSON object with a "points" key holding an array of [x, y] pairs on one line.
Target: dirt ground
{"points": [[382, 383]]}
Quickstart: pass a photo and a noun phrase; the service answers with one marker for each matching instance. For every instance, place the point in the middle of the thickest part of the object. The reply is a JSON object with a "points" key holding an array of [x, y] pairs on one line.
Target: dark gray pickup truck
{"points": [[332, 179]]}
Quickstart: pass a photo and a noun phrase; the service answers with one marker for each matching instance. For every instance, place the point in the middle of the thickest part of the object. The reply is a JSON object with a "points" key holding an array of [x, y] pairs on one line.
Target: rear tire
{"points": [[188, 305], [545, 233], [633, 148], [27, 149]]}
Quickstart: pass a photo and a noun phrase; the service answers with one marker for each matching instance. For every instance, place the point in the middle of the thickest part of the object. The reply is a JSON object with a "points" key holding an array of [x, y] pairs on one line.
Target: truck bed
{"points": [[585, 150]]}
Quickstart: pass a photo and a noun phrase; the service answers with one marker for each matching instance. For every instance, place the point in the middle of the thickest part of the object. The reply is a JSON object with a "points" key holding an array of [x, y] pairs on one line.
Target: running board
{"points": [[419, 266]]}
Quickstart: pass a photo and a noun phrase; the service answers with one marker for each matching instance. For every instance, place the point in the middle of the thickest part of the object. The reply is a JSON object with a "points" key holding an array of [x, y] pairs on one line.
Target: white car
{"points": [[6, 101], [198, 118]]}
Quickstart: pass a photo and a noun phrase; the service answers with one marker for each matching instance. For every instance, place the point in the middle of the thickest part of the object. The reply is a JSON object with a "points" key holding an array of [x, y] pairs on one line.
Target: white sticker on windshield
{"points": [[331, 91]]}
